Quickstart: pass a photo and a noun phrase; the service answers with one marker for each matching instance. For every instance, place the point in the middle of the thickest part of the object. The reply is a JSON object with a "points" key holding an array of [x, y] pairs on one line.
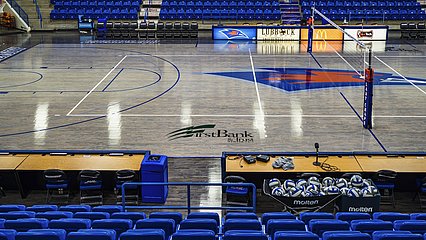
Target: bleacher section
{"points": [[366, 10], [94, 9], [220, 10], [112, 222]]}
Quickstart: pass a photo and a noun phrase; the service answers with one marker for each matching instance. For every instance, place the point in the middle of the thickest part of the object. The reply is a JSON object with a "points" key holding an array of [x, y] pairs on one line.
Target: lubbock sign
{"points": [[279, 34]]}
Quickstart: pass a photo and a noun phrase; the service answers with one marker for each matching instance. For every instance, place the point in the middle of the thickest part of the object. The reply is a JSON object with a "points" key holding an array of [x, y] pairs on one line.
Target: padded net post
{"points": [[367, 116]]}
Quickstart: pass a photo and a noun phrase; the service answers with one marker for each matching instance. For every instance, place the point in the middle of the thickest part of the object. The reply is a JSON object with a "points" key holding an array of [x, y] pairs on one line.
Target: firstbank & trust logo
{"points": [[210, 131]]}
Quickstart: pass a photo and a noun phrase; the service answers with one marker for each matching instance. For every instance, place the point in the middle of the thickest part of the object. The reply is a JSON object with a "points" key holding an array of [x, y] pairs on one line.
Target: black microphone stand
{"points": [[316, 163]]}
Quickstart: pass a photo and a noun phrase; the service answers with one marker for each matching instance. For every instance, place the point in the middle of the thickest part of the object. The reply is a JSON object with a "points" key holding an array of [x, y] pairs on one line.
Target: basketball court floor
{"points": [[200, 99]]}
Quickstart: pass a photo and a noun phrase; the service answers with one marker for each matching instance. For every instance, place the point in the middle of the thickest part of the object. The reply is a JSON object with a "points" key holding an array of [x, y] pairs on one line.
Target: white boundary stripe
{"points": [[242, 115], [255, 82], [421, 90], [96, 85]]}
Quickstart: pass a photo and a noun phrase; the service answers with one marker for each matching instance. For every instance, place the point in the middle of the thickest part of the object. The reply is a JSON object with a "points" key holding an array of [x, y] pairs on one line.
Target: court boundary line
{"points": [[103, 79], [403, 77], [245, 115], [255, 83]]}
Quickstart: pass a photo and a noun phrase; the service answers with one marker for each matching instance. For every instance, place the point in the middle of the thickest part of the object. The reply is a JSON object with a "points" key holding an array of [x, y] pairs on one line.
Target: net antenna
{"points": [[358, 62]]}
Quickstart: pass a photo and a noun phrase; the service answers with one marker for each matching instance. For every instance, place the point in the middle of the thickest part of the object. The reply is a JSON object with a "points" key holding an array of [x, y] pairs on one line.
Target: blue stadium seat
{"points": [[244, 235], [205, 215], [167, 225], [43, 208], [194, 234], [108, 208], [345, 235], [414, 226], [7, 234], [23, 225], [307, 216], [418, 216], [176, 216], [11, 207], [118, 225], [76, 208], [92, 215], [390, 216], [70, 224], [42, 234], [245, 215], [13, 215], [143, 234], [241, 224], [197, 223], [396, 236], [92, 234], [319, 226], [134, 216], [50, 215], [369, 226], [349, 216], [275, 225], [296, 235]]}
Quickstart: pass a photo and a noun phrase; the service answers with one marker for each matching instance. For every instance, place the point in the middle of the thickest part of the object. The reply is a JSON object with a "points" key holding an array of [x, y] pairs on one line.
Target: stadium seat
{"points": [[369, 226], [70, 224], [11, 207], [197, 223], [390, 216], [349, 216], [13, 215], [244, 235], [118, 225], [76, 208], [295, 235], [319, 226], [396, 235], [56, 181], [143, 234], [134, 216], [241, 224], [23, 225], [239, 196], [7, 234], [42, 208], [93, 234], [167, 225], [42, 234], [418, 216], [108, 208], [276, 215], [50, 215], [205, 215], [92, 215], [345, 235], [176, 216], [194, 234], [275, 225], [414, 226], [307, 216]]}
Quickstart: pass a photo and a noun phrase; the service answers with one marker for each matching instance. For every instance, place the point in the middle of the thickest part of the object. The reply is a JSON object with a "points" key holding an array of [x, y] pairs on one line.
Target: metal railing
{"points": [[39, 16], [188, 206], [19, 10]]}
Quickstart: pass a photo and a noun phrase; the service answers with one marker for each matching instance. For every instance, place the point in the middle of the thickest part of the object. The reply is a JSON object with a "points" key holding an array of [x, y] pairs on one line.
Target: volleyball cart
{"points": [[297, 205]]}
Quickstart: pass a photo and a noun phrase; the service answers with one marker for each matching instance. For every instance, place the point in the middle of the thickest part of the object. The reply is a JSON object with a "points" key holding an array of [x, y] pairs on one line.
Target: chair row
{"points": [[58, 8], [97, 3], [249, 14], [365, 4], [373, 14], [414, 31], [94, 14], [223, 4]]}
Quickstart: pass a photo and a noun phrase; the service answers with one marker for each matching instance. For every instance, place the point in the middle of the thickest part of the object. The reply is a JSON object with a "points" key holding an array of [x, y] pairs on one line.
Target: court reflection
{"points": [[114, 124], [41, 121]]}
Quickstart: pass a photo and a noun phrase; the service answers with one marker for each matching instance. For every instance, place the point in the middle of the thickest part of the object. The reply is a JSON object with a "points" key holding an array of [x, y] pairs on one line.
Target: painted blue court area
{"points": [[222, 96]]}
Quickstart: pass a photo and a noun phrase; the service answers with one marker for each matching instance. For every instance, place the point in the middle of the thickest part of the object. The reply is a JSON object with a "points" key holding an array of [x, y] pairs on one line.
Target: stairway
{"points": [[150, 10], [290, 12]]}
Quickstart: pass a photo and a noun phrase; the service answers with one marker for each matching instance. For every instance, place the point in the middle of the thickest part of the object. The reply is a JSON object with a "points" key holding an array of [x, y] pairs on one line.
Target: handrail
{"points": [[19, 10], [188, 185], [38, 13]]}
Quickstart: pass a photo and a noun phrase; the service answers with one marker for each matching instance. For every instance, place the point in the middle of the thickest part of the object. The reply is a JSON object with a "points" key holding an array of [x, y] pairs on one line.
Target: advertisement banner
{"points": [[323, 47], [329, 34], [278, 48], [367, 34], [234, 33], [278, 34], [351, 47]]}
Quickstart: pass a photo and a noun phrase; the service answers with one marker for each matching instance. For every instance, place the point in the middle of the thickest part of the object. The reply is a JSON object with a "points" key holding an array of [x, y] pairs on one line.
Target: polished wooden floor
{"points": [[132, 96]]}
